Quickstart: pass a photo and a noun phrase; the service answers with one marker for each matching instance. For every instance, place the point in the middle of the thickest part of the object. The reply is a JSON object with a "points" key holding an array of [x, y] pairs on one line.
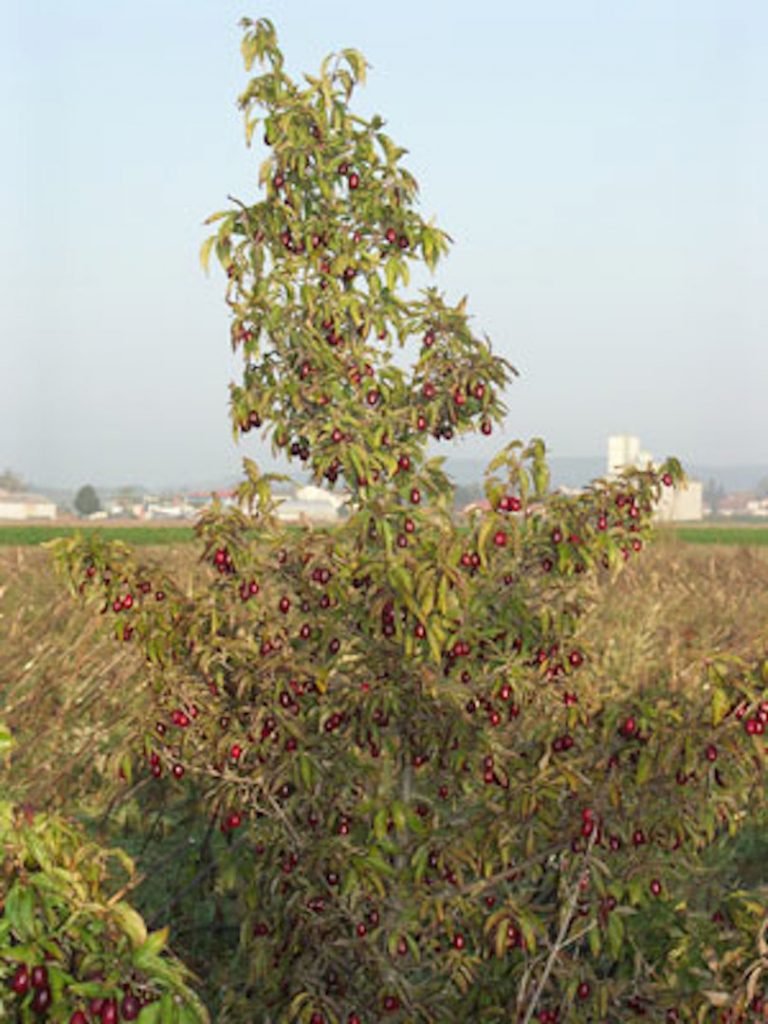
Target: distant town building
{"points": [[479, 505], [677, 504], [312, 505], [623, 451], [19, 505], [743, 503], [681, 504], [757, 507]]}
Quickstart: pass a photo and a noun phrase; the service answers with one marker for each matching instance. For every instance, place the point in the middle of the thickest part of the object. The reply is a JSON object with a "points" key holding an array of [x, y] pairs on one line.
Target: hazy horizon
{"points": [[602, 171]]}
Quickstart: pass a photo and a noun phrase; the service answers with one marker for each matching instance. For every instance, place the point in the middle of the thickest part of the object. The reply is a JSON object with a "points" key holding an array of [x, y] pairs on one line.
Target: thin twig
{"points": [[559, 943]]}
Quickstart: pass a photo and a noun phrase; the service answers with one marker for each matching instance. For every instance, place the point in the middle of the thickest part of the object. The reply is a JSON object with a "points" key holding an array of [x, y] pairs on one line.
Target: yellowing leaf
{"points": [[132, 923]]}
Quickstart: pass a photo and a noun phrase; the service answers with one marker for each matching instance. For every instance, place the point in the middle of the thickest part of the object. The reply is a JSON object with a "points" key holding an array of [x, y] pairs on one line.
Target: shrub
{"points": [[427, 816], [71, 947]]}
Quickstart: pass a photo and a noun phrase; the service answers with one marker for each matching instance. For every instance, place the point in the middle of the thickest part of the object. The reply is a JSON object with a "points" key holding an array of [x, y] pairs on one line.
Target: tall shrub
{"points": [[429, 817]]}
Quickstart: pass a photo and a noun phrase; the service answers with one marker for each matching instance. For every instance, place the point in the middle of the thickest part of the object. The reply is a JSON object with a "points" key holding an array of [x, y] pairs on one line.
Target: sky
{"points": [[602, 168]]}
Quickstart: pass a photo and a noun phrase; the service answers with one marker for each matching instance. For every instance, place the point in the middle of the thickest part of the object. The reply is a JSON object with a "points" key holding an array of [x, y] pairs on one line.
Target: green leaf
{"points": [[720, 705], [205, 252]]}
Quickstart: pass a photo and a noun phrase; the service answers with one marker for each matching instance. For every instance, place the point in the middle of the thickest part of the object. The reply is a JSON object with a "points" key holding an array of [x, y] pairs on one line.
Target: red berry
{"points": [[353, 180], [284, 605], [41, 1000], [711, 752], [583, 990], [391, 1003], [667, 479], [39, 977], [20, 981], [655, 886], [458, 941], [500, 538], [130, 1007], [486, 427], [415, 496], [78, 1017], [391, 235]]}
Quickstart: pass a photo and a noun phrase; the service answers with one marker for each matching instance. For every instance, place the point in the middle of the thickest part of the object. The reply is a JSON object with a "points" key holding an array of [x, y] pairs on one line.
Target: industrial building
{"points": [[684, 503]]}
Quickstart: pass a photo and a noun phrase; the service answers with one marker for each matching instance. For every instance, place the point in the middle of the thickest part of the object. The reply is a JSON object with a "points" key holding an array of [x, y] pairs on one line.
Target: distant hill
{"points": [[576, 471]]}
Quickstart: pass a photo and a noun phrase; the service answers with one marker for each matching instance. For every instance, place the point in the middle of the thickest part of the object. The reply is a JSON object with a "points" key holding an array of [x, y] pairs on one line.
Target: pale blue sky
{"points": [[601, 166]]}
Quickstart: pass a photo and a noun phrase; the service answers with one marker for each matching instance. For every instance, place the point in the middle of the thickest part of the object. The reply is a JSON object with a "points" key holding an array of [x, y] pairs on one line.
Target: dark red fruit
{"points": [[39, 977], [20, 980], [130, 1007], [353, 180], [41, 1000], [109, 1012], [78, 1017]]}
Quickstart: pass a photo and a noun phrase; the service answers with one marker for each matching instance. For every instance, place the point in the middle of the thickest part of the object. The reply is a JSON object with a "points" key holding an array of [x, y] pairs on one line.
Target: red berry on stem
{"points": [[20, 980], [39, 977], [130, 1007], [41, 1000]]}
